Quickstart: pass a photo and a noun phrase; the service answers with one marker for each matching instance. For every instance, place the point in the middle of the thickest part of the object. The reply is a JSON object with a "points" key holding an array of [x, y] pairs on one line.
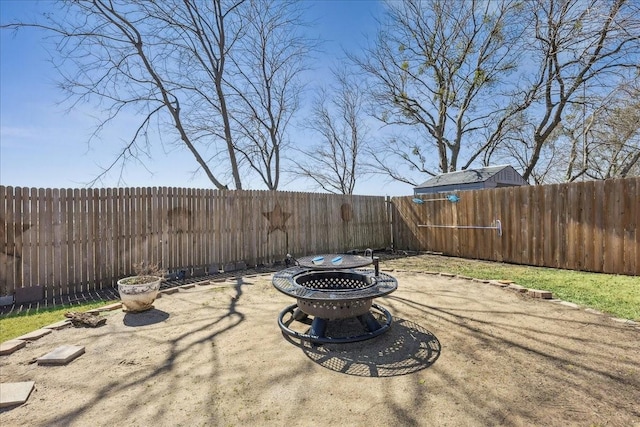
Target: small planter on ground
{"points": [[139, 292]]}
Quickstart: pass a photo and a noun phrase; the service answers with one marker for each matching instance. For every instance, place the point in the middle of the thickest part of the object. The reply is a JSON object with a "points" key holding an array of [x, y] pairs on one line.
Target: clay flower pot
{"points": [[138, 292]]}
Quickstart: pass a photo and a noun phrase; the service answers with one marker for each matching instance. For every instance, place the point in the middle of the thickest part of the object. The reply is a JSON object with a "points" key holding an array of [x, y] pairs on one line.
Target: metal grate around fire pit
{"points": [[301, 283], [332, 295], [345, 281]]}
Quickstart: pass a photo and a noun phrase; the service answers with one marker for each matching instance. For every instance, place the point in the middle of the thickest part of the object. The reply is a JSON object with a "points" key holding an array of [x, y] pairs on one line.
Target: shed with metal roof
{"points": [[472, 179]]}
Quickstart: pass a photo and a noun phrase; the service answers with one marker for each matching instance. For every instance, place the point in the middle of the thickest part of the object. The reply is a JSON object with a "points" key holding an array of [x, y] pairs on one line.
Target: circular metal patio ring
{"points": [[329, 340]]}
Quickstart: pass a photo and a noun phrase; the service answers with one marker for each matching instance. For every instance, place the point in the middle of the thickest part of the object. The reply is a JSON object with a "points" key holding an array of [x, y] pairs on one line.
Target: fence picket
{"points": [[64, 245], [89, 246], [634, 233], [587, 220], [77, 234], [571, 220], [27, 242], [18, 231]]}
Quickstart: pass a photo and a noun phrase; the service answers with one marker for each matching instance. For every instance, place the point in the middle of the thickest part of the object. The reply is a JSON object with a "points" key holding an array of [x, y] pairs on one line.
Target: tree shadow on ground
{"points": [[406, 348], [179, 345]]}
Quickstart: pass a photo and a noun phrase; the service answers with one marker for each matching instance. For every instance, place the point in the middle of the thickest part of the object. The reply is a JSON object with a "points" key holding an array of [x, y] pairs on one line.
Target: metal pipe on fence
{"points": [[450, 198], [498, 226]]}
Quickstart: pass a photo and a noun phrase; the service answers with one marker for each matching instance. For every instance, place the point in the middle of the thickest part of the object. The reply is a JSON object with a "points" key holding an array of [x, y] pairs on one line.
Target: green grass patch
{"points": [[616, 295], [15, 324]]}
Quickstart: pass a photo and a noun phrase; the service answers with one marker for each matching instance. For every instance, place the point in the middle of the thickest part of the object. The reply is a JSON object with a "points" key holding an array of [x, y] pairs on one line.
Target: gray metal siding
{"points": [[449, 188], [507, 176]]}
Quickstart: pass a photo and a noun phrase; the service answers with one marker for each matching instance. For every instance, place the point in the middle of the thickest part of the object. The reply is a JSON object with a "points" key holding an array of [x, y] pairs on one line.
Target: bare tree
{"points": [[334, 161], [436, 68], [267, 84], [576, 44], [605, 143], [199, 38], [481, 81], [175, 64]]}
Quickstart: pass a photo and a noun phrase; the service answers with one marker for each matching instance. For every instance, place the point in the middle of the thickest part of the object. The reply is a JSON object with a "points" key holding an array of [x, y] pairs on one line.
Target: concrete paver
{"points": [[61, 355], [10, 346], [32, 336], [12, 394]]}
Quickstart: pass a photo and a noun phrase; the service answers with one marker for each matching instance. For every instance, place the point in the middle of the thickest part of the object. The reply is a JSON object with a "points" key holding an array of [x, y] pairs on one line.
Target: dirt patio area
{"points": [[460, 353]]}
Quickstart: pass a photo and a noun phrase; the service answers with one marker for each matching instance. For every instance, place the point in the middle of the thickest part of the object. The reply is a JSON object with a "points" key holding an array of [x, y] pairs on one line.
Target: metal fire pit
{"points": [[330, 292]]}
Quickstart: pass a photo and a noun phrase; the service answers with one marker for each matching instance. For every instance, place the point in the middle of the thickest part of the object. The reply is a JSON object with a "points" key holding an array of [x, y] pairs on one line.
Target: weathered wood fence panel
{"points": [[70, 240], [79, 240], [589, 226]]}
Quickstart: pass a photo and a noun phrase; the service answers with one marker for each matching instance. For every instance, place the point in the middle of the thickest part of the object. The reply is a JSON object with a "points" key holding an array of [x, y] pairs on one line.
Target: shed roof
{"points": [[468, 176]]}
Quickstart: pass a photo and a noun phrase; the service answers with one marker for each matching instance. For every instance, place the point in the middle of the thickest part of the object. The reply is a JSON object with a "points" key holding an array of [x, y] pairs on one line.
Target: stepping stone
{"points": [[537, 293], [61, 355], [109, 307], [12, 394], [497, 283], [58, 325], [35, 335], [569, 304], [625, 321], [10, 346], [516, 288]]}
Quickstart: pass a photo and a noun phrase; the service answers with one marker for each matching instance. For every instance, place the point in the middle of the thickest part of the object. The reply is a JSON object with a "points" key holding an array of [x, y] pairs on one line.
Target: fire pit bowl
{"points": [[338, 285], [334, 294], [335, 280]]}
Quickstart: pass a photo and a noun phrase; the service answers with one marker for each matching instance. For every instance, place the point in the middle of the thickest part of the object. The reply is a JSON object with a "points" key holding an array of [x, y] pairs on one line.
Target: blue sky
{"points": [[44, 145]]}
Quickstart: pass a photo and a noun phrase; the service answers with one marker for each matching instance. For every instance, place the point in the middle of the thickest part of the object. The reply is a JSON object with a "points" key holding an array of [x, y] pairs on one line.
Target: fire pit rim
{"points": [[350, 274], [284, 281]]}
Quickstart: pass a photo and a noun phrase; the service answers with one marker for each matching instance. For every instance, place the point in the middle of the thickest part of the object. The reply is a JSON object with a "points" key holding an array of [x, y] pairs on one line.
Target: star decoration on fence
{"points": [[12, 249], [277, 218]]}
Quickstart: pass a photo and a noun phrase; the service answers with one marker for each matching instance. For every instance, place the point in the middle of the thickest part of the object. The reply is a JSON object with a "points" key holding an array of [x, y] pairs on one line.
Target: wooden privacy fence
{"points": [[590, 226], [77, 240]]}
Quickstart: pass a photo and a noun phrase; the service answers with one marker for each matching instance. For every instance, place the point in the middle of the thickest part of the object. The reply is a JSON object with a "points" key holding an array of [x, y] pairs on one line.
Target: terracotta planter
{"points": [[138, 292]]}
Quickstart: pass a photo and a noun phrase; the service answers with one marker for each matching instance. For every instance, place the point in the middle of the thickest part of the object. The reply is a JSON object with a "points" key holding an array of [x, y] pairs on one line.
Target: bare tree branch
{"points": [[183, 65], [437, 66], [334, 161]]}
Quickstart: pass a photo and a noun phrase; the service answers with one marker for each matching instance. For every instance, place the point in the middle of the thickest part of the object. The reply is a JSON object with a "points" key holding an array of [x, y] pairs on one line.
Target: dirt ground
{"points": [[459, 353]]}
